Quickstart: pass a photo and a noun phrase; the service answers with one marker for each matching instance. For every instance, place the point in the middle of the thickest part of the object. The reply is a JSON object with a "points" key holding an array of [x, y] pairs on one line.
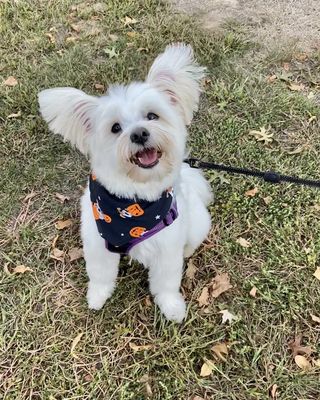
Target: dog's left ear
{"points": [[176, 73], [69, 112]]}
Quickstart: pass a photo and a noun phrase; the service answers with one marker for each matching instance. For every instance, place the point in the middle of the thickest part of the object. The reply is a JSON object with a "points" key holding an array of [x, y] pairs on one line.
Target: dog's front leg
{"points": [[165, 275], [102, 269]]}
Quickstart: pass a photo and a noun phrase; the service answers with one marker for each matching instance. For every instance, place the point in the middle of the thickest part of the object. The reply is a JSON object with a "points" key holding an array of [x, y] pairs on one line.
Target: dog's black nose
{"points": [[140, 136]]}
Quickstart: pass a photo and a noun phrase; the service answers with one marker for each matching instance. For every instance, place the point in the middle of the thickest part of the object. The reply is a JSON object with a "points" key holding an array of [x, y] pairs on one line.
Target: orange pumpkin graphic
{"points": [[137, 231], [98, 214], [135, 210]]}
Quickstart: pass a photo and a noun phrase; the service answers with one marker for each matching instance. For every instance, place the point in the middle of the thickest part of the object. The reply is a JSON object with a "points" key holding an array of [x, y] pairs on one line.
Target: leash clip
{"points": [[193, 162]]}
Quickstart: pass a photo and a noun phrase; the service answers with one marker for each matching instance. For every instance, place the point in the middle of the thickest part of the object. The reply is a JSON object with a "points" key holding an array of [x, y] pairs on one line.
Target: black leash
{"points": [[268, 176]]}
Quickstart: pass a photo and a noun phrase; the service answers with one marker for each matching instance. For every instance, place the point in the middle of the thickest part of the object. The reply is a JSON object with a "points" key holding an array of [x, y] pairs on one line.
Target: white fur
{"points": [[172, 92]]}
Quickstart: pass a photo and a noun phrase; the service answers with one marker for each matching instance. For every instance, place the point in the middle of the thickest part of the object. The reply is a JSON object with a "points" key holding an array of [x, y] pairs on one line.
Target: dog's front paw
{"points": [[172, 306], [97, 295]]}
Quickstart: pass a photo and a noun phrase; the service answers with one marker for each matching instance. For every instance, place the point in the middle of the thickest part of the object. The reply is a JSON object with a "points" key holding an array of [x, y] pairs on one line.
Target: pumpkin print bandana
{"points": [[123, 222]]}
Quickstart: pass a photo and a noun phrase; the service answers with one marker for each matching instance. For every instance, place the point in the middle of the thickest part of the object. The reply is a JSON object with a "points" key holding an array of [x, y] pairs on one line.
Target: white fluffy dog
{"points": [[135, 137]]}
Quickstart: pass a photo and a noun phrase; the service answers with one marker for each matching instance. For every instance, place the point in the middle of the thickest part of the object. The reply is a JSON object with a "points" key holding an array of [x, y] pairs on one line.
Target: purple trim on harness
{"points": [[168, 220]]}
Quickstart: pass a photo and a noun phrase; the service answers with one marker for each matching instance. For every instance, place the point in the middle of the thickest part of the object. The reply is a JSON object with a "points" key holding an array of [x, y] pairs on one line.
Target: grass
{"points": [[43, 311]]}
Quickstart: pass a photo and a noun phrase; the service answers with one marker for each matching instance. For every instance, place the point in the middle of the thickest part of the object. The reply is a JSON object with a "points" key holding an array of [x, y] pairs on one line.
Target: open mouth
{"points": [[146, 158]]}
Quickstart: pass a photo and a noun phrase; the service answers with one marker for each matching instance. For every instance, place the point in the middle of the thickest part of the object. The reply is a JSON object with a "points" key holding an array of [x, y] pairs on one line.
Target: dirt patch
{"points": [[274, 24]]}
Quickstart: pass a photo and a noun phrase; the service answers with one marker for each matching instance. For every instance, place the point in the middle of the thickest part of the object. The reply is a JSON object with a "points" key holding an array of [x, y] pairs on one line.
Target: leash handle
{"points": [[268, 176]]}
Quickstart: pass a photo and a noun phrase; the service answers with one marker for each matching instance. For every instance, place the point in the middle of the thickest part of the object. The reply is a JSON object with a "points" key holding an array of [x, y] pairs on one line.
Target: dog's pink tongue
{"points": [[148, 156]]}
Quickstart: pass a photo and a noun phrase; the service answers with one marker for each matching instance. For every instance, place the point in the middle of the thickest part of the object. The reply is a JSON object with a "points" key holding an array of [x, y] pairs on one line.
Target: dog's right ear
{"points": [[69, 112]]}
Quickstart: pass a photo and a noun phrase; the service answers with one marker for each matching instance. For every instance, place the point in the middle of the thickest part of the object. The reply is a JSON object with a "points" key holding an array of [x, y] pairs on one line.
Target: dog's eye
{"points": [[151, 116], [116, 128]]}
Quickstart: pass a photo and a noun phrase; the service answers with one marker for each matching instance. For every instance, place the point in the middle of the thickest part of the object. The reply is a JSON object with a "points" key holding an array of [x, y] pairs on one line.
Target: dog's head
{"points": [[134, 133]]}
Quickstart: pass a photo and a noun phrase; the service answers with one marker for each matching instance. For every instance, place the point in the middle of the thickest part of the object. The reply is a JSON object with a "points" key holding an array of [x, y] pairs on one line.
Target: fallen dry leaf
{"points": [[50, 36], [301, 56], [132, 34], [10, 81], [29, 196], [227, 316], [207, 368], [243, 242], [75, 253], [98, 86], [312, 118], [57, 254], [14, 115], [191, 270], [21, 269], [111, 52], [252, 192], [75, 342], [136, 348], [273, 391], [54, 242], [220, 284], [129, 21], [317, 273], [296, 87], [147, 301], [315, 318], [271, 78], [298, 150], [113, 37], [262, 135], [267, 200], [197, 398], [140, 49], [286, 66], [220, 350], [316, 362], [253, 292], [296, 348], [203, 299], [63, 224], [62, 198], [75, 28], [71, 39], [302, 362]]}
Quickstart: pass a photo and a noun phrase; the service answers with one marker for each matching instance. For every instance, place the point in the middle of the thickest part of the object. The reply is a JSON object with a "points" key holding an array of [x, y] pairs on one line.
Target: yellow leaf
{"points": [[74, 343], [10, 81], [253, 292], [243, 242], [203, 299], [75, 253], [252, 192], [63, 224], [21, 269], [62, 198], [302, 362], [219, 350], [317, 273], [136, 348], [207, 368], [129, 21], [315, 318]]}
